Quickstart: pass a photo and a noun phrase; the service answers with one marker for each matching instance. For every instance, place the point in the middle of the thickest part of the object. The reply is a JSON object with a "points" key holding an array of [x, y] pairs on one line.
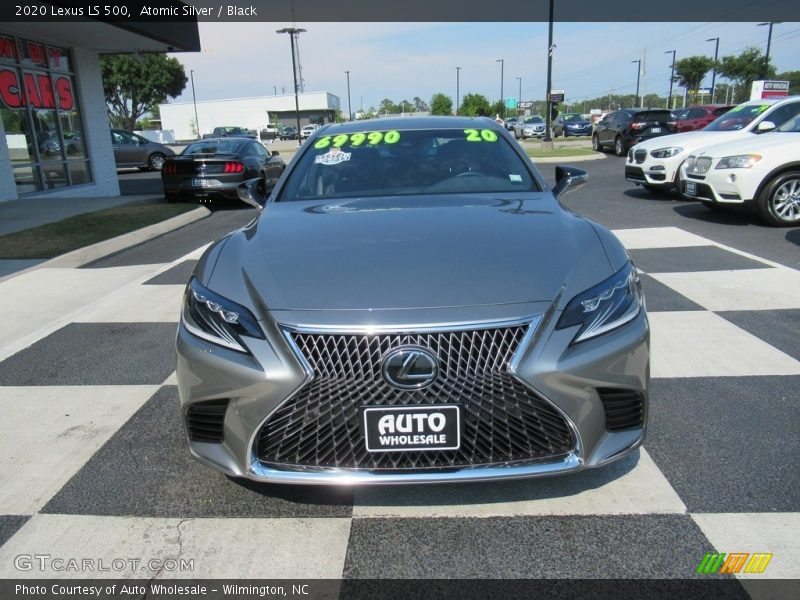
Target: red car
{"points": [[693, 118]]}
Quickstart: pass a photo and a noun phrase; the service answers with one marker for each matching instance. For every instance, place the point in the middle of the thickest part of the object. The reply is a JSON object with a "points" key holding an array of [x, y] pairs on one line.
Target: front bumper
{"points": [[567, 377], [223, 186], [725, 186], [656, 172]]}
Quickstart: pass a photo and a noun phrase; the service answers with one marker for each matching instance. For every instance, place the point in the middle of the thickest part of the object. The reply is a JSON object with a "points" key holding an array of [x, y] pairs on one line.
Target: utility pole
{"points": [[765, 69], [638, 62], [349, 110], [714, 70], [671, 78], [293, 31], [502, 103], [547, 142], [194, 101], [644, 76], [458, 73]]}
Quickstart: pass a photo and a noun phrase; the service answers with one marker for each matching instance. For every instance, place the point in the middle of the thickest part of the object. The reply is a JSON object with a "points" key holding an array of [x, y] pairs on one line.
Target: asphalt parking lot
{"points": [[93, 390]]}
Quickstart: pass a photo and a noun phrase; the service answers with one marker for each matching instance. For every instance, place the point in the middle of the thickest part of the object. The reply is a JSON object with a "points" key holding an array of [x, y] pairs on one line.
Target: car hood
{"points": [[691, 140], [768, 142], [401, 253]]}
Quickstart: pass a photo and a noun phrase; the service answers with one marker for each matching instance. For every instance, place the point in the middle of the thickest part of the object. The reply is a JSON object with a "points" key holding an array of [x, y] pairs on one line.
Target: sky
{"points": [[402, 60]]}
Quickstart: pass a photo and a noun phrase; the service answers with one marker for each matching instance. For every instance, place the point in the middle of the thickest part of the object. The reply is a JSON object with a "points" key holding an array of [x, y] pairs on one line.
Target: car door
{"points": [[606, 131], [125, 149], [271, 165]]}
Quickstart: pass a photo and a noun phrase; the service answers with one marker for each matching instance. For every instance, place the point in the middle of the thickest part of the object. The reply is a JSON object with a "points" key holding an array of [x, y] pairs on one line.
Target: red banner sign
{"points": [[38, 90]]}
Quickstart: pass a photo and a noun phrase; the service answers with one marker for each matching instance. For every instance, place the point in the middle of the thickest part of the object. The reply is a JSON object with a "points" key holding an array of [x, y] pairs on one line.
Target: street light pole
{"points": [[714, 70], [458, 74], [293, 31], [547, 139], [349, 110], [769, 43], [502, 104], [519, 99], [638, 75], [671, 77], [194, 101]]}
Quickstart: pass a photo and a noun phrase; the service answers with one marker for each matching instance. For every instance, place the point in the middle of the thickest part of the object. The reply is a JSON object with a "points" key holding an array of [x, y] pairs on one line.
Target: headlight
{"points": [[606, 306], [211, 317], [666, 152], [740, 161]]}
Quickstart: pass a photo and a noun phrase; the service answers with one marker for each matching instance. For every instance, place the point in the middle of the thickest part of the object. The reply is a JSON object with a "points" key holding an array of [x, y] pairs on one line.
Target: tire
{"points": [[619, 147], [156, 161], [778, 204], [596, 146]]}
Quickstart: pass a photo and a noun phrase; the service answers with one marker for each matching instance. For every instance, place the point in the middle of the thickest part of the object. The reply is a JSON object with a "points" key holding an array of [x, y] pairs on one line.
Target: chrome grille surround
{"points": [[640, 156], [506, 423], [698, 164]]}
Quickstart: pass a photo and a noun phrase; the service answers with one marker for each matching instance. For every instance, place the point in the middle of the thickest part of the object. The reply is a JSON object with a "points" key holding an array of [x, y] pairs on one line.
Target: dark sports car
{"points": [[214, 168]]}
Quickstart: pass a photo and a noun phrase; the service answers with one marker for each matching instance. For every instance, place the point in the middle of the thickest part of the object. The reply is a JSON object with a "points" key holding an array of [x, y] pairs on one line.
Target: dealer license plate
{"points": [[404, 428], [201, 183], [655, 129], [690, 188]]}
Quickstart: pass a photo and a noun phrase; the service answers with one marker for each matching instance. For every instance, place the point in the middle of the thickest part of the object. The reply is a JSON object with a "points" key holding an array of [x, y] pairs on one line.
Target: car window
{"points": [[258, 149], [117, 138], [213, 147], [721, 110], [791, 126], [398, 163], [780, 115], [696, 113], [737, 118]]}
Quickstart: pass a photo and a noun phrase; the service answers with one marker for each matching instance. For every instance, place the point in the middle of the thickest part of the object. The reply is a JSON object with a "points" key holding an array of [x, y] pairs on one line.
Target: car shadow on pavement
{"points": [[303, 494], [721, 216], [793, 236], [659, 196]]}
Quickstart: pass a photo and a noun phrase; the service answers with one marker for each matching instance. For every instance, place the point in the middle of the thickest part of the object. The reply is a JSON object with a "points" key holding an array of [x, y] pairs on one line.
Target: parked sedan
{"points": [[569, 124], [623, 128], [131, 150], [763, 170], [413, 304], [288, 133], [213, 168], [530, 127], [693, 118], [655, 164]]}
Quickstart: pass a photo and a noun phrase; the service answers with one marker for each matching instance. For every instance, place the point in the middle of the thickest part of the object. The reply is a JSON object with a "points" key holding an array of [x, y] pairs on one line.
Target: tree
{"points": [[388, 107], [744, 69], [133, 86], [690, 72], [475, 105], [420, 105], [793, 77], [441, 104]]}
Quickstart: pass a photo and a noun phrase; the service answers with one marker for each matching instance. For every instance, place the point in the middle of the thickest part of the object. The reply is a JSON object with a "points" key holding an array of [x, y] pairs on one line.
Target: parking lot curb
{"points": [[87, 254], [575, 158]]}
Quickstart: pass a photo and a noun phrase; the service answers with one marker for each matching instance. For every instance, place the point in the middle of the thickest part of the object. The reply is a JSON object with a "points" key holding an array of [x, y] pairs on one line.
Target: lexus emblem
{"points": [[410, 367]]}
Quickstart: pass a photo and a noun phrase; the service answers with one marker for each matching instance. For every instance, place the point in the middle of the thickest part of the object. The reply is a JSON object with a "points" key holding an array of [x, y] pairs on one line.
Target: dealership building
{"points": [[251, 113], [55, 137]]}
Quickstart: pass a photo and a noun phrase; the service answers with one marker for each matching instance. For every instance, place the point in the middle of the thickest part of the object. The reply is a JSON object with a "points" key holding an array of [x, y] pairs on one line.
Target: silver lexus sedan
{"points": [[413, 304]]}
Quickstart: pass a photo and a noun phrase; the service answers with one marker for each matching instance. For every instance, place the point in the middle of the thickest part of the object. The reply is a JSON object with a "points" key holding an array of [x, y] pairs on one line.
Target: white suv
{"points": [[655, 163], [307, 130], [764, 170]]}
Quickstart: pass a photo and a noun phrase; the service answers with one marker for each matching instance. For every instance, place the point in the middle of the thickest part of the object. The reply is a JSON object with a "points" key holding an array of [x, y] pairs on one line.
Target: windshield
{"points": [[573, 117], [738, 118], [791, 126], [534, 120], [397, 163], [213, 147]]}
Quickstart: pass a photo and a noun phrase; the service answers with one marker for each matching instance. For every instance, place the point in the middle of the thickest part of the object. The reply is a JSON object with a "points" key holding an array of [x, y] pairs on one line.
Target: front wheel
{"points": [[156, 161], [619, 147], [596, 144], [778, 203]]}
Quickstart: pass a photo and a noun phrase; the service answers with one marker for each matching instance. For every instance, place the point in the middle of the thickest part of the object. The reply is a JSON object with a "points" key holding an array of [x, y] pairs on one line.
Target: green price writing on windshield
{"points": [[357, 139], [482, 135]]}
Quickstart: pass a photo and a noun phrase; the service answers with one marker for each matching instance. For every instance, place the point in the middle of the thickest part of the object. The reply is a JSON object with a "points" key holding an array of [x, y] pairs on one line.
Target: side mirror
{"points": [[765, 126], [249, 193], [275, 153], [568, 179]]}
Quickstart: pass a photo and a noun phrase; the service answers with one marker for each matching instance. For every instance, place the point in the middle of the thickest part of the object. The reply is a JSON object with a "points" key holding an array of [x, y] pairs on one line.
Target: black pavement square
{"points": [[691, 258], [177, 275], [726, 444], [145, 470], [660, 297], [96, 354], [9, 525], [779, 328], [587, 547]]}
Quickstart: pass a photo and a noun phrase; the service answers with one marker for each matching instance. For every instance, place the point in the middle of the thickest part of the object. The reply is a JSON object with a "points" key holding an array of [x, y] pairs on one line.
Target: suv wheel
{"points": [[778, 203], [596, 144], [619, 147]]}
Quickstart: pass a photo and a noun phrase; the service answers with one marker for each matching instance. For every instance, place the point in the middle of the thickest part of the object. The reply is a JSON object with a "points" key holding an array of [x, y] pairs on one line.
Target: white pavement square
{"points": [[775, 533], [659, 237], [746, 289], [642, 489], [139, 304], [50, 432], [703, 344], [219, 547]]}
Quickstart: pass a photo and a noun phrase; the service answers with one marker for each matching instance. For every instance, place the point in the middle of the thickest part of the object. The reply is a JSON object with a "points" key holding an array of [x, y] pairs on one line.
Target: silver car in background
{"points": [[529, 127], [413, 304]]}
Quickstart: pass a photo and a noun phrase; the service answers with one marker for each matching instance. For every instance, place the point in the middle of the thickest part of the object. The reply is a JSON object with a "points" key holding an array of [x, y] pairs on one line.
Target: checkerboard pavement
{"points": [[95, 462]]}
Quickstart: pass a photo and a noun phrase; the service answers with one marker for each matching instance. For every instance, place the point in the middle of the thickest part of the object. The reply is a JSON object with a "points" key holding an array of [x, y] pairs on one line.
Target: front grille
{"points": [[204, 421], [640, 156], [698, 164], [624, 408], [503, 420]]}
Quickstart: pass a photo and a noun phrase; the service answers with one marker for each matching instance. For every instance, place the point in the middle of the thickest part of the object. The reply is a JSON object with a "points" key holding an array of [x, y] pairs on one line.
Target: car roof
{"points": [[407, 123], [231, 138]]}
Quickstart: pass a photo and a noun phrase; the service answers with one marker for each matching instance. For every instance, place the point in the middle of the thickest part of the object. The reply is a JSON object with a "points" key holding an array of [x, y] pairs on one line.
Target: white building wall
{"points": [[240, 112]]}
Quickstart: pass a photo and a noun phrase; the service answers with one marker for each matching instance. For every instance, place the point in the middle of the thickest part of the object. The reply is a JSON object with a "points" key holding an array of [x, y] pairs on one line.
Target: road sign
{"points": [[556, 95], [511, 103], [526, 104]]}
